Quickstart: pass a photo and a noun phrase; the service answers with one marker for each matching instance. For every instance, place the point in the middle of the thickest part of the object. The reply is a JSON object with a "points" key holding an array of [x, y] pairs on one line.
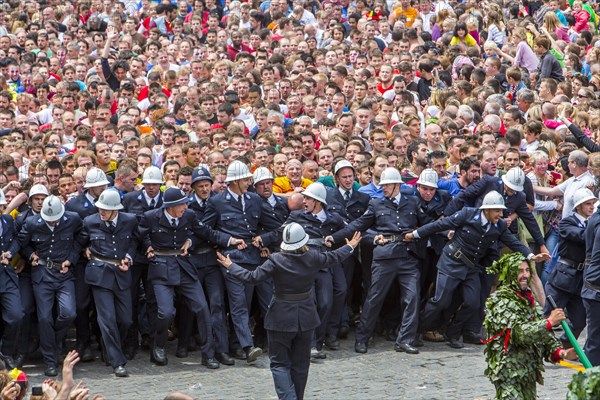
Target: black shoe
{"points": [[210, 363], [332, 343], [454, 343], [51, 371], [159, 356], [473, 338], [343, 332], [85, 353], [406, 348], [252, 353], [225, 359], [418, 343], [181, 353], [238, 353], [360, 347], [129, 352], [19, 360], [121, 372]]}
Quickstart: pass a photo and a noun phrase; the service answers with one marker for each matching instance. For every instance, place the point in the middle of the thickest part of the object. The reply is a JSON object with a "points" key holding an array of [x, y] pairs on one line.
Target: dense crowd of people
{"points": [[137, 139]]}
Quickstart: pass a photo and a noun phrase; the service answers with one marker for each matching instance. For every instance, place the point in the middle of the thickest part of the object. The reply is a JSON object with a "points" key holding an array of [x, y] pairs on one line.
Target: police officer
{"points": [[239, 214], [168, 234], [590, 292], [48, 241], [37, 194], [511, 187], [476, 232], [137, 203], [393, 260], [566, 279], [263, 186], [432, 202], [110, 237], [83, 204], [10, 298], [330, 282], [204, 259], [292, 315]]}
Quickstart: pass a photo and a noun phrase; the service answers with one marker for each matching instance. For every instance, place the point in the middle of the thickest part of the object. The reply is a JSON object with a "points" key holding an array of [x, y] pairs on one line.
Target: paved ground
{"points": [[437, 373]]}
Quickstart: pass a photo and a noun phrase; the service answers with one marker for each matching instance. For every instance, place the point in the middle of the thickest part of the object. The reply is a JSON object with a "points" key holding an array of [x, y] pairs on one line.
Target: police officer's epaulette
{"points": [[86, 204], [140, 196]]}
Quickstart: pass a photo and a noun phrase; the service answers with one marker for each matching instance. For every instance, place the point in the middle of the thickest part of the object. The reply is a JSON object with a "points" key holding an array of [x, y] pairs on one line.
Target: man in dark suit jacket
{"points": [[83, 204], [137, 203], [48, 240], [168, 235], [110, 237], [292, 316]]}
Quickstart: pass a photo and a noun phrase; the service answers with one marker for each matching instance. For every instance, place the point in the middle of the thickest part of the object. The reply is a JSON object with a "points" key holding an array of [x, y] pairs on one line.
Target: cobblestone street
{"points": [[437, 373]]}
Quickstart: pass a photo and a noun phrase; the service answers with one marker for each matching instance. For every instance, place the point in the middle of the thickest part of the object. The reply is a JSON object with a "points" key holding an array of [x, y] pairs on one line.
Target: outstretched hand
{"points": [[355, 240], [224, 261]]}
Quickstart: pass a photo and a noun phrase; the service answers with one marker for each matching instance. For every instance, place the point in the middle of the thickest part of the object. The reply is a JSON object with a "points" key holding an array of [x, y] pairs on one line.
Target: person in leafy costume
{"points": [[520, 338]]}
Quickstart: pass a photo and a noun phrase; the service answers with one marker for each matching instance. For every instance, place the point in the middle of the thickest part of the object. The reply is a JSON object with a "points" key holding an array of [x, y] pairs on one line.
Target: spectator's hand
{"points": [[80, 394], [10, 391], [48, 389], [71, 360], [111, 33]]}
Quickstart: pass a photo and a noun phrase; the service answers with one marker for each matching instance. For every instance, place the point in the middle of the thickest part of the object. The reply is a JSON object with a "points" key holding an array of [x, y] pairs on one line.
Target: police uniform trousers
{"points": [[83, 300], [12, 309], [592, 344], [53, 331], [446, 286], [240, 300], [190, 290], [405, 271], [339, 281], [143, 310], [564, 285], [428, 273], [26, 333], [289, 353], [211, 278], [114, 318]]}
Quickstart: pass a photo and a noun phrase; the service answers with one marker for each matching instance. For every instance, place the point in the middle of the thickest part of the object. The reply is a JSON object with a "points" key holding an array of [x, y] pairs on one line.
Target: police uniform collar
{"points": [[114, 220], [89, 197], [580, 218], [343, 191], [169, 217], [148, 198]]}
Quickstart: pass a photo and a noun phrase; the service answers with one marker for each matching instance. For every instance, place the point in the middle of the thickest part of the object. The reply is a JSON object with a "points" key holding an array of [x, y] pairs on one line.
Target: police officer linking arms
{"points": [[519, 336], [477, 231], [292, 316], [565, 281], [109, 234], [48, 241], [393, 260]]}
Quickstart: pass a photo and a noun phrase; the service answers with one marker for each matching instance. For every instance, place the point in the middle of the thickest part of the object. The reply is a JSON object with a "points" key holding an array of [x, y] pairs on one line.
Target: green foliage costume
{"points": [[519, 338]]}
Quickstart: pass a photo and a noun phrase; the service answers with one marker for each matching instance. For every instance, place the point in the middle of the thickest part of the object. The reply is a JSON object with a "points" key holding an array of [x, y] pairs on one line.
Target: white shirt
{"points": [[570, 186]]}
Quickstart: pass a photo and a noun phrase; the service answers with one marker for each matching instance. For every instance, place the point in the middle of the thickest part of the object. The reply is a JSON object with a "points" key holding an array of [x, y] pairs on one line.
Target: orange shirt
{"points": [[410, 15]]}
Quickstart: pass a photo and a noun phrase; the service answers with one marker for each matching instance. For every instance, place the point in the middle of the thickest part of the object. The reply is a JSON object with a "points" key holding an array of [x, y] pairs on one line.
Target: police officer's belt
{"points": [[292, 296], [457, 253], [571, 263], [107, 260], [55, 265], [591, 286], [202, 250], [170, 252], [394, 238], [316, 242]]}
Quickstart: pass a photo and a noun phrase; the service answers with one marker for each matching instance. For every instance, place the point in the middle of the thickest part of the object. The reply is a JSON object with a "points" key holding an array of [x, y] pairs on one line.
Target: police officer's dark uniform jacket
{"points": [[474, 194], [350, 209], [51, 246], [104, 244]]}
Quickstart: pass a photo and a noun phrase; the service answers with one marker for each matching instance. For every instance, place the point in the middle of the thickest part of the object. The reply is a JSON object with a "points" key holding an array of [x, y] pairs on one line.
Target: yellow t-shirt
{"points": [[410, 15], [467, 40], [284, 185]]}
